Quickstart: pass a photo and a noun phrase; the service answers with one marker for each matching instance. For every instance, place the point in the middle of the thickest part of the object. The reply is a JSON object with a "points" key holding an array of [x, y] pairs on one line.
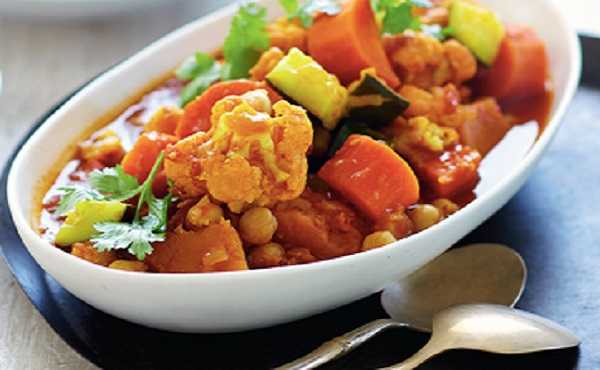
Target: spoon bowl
{"points": [[491, 328], [479, 273]]}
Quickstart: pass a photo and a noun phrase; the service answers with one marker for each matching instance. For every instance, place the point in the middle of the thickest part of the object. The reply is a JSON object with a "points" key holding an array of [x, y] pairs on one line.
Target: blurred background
{"points": [[47, 49]]}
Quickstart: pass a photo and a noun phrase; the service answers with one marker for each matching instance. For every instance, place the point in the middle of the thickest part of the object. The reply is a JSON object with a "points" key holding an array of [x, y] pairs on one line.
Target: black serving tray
{"points": [[554, 222]]}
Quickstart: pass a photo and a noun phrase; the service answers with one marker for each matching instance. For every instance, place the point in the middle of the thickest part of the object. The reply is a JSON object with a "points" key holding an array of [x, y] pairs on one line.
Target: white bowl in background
{"points": [[234, 301]]}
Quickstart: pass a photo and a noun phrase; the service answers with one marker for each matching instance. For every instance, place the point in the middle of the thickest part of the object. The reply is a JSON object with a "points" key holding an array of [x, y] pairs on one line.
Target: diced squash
{"points": [[79, 225], [451, 173], [86, 251], [349, 42], [372, 101], [371, 176], [139, 160], [215, 248], [484, 127], [298, 76], [479, 29]]}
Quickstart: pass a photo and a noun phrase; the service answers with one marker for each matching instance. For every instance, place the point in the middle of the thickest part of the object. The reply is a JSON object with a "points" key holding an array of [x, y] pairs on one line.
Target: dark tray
{"points": [[553, 222]]}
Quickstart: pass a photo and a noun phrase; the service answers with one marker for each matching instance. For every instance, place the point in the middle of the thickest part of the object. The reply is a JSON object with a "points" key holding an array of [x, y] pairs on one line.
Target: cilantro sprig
{"points": [[138, 235], [247, 39], [114, 184], [306, 11], [398, 17]]}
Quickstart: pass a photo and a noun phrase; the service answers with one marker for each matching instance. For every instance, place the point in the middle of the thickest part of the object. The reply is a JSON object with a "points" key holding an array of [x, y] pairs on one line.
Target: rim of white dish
{"points": [[24, 225]]}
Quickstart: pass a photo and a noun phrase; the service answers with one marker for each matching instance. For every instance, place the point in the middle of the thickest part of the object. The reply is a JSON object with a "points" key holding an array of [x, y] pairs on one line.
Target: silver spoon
{"points": [[479, 273], [490, 328]]}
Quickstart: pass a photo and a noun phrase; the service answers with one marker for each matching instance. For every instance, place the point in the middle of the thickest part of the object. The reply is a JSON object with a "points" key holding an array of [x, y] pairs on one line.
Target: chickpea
{"points": [[257, 225], [203, 213], [126, 265], [377, 239], [445, 206], [424, 216], [266, 255]]}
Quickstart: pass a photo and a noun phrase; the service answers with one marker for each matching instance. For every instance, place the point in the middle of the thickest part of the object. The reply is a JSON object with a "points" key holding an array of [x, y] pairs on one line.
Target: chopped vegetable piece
{"points": [[477, 28], [245, 42], [214, 248], [304, 80], [349, 42], [79, 225], [521, 68], [371, 176], [165, 120], [350, 127], [196, 116], [86, 251], [484, 127], [372, 101], [451, 173], [139, 160]]}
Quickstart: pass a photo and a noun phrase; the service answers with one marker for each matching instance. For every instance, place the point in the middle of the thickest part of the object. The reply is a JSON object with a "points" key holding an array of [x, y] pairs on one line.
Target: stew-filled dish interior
{"points": [[337, 129]]}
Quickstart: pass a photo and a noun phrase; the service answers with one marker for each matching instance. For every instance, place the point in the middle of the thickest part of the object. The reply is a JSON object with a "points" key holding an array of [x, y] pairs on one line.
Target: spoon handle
{"points": [[341, 345]]}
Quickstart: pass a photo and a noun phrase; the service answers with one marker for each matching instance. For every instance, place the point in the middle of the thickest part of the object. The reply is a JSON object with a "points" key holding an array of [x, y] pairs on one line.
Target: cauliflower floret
{"points": [[104, 146], [248, 157], [424, 61], [421, 132]]}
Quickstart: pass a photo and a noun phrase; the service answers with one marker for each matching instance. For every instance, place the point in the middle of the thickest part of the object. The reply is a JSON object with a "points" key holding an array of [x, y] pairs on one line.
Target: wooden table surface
{"points": [[41, 61]]}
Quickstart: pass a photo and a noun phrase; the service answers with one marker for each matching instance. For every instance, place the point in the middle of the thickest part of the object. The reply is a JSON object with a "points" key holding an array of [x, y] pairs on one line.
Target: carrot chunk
{"points": [[520, 69], [139, 160], [371, 176], [349, 42], [196, 115], [451, 173]]}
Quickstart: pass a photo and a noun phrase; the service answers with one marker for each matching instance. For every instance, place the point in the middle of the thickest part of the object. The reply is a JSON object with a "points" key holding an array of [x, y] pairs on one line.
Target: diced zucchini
{"points": [[79, 225], [479, 29], [373, 102], [302, 79]]}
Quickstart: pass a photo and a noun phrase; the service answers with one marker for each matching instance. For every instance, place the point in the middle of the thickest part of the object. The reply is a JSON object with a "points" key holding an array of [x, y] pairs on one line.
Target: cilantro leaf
{"points": [[135, 237], [305, 12], [71, 195], [114, 183], [290, 6], [246, 40], [138, 235], [194, 66], [200, 83], [398, 14]]}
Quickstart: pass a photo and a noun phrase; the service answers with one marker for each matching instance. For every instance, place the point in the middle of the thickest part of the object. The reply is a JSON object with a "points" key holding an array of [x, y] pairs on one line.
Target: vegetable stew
{"points": [[339, 128]]}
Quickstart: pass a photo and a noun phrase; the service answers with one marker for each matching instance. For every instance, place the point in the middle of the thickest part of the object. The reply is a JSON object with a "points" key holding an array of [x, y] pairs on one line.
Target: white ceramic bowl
{"points": [[233, 301]]}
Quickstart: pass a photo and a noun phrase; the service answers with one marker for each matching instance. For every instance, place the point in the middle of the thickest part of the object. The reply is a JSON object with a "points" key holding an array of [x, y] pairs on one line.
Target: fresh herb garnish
{"points": [[137, 235], [397, 17], [114, 184], [437, 31], [247, 39], [202, 71], [71, 195], [305, 12]]}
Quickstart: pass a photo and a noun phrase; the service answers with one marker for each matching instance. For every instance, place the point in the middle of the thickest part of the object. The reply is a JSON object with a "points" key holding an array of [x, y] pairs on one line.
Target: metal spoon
{"points": [[490, 328], [479, 273]]}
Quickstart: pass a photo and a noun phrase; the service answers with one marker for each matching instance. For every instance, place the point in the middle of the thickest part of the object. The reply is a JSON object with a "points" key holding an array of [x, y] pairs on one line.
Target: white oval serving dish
{"points": [[233, 301]]}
